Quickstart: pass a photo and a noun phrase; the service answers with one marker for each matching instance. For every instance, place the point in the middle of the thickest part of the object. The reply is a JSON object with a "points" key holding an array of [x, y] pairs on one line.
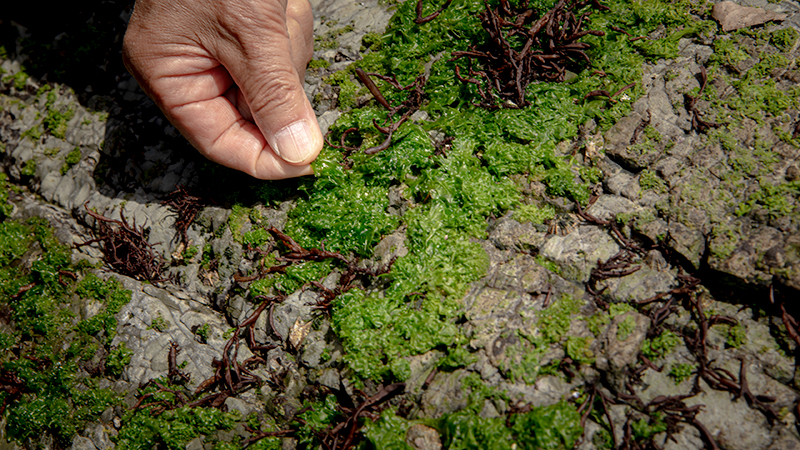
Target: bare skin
{"points": [[228, 74]]}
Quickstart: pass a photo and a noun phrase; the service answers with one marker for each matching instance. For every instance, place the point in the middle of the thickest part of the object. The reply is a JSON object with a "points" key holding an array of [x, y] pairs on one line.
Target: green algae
{"points": [[625, 328], [737, 336], [784, 39], [54, 347], [348, 90], [172, 429], [449, 197], [71, 159], [6, 208], [644, 429], [680, 372], [577, 348], [661, 345], [18, 80], [650, 181], [344, 212], [159, 323], [556, 426], [118, 358], [298, 275], [554, 322], [112, 297], [534, 214], [56, 121], [544, 427], [777, 200], [29, 168]]}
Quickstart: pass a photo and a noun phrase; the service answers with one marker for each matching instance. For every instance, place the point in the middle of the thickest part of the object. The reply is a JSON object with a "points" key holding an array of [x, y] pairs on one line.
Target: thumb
{"points": [[274, 92]]}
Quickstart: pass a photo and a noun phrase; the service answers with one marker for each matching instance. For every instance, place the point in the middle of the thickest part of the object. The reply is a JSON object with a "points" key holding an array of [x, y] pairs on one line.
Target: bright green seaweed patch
{"points": [[534, 214], [52, 345], [345, 213], [545, 427], [449, 195], [5, 206], [171, 429], [112, 296]]}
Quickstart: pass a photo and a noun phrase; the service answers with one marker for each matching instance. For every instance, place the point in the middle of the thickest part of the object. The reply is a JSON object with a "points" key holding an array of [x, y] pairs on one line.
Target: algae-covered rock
{"points": [[620, 344], [579, 251]]}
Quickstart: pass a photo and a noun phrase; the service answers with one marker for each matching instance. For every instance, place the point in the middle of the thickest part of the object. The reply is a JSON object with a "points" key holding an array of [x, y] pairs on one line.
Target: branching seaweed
{"points": [[126, 248], [547, 46], [186, 208]]}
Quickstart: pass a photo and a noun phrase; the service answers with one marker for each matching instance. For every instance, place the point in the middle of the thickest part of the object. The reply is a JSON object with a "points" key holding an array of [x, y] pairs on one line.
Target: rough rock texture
{"points": [[686, 197]]}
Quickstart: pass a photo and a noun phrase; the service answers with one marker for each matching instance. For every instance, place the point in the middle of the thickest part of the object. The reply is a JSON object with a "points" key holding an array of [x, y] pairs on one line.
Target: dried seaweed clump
{"points": [[523, 47], [186, 208], [126, 248]]}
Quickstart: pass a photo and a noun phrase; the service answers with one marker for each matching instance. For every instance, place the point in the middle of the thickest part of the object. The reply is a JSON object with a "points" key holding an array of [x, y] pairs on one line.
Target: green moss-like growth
{"points": [[33, 133], [680, 372], [29, 168], [56, 121], [298, 275], [649, 180], [727, 52], [644, 429], [159, 323], [203, 332], [534, 214], [112, 296], [350, 216], [18, 80], [625, 328], [776, 200], [255, 238], [238, 217], [118, 358], [371, 41], [71, 159], [660, 345], [318, 64], [441, 196], [5, 205], [348, 90], [554, 322], [171, 429], [50, 342], [577, 348], [737, 336], [784, 39], [544, 427]]}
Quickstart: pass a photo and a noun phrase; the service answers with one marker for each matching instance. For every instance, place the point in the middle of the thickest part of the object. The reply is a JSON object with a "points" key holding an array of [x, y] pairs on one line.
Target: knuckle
{"points": [[276, 92]]}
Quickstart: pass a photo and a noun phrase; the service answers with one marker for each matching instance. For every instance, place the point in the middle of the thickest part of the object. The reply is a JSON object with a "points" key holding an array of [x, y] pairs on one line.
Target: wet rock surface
{"points": [[722, 205]]}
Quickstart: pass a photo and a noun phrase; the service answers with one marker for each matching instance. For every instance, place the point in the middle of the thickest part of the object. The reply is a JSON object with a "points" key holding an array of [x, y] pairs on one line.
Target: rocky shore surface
{"points": [[676, 189]]}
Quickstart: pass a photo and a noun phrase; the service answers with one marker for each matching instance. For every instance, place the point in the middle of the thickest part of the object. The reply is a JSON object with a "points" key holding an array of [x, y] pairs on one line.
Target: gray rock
{"points": [[620, 344], [82, 443], [733, 425], [100, 435], [579, 251], [195, 444], [422, 437], [640, 285], [445, 394], [607, 207], [508, 234]]}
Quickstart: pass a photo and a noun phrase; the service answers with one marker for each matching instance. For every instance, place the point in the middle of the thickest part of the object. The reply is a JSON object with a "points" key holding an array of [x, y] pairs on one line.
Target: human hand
{"points": [[229, 75]]}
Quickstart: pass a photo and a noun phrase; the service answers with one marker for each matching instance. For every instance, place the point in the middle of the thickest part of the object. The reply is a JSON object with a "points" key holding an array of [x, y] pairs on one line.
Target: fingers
{"points": [[300, 18], [216, 127], [266, 70], [231, 81]]}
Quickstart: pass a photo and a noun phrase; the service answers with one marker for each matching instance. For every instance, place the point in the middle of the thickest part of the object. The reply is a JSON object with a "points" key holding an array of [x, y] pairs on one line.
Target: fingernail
{"points": [[293, 143]]}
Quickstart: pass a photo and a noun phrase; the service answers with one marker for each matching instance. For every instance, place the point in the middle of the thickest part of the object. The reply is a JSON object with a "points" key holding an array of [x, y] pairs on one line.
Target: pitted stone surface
{"points": [[130, 157]]}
